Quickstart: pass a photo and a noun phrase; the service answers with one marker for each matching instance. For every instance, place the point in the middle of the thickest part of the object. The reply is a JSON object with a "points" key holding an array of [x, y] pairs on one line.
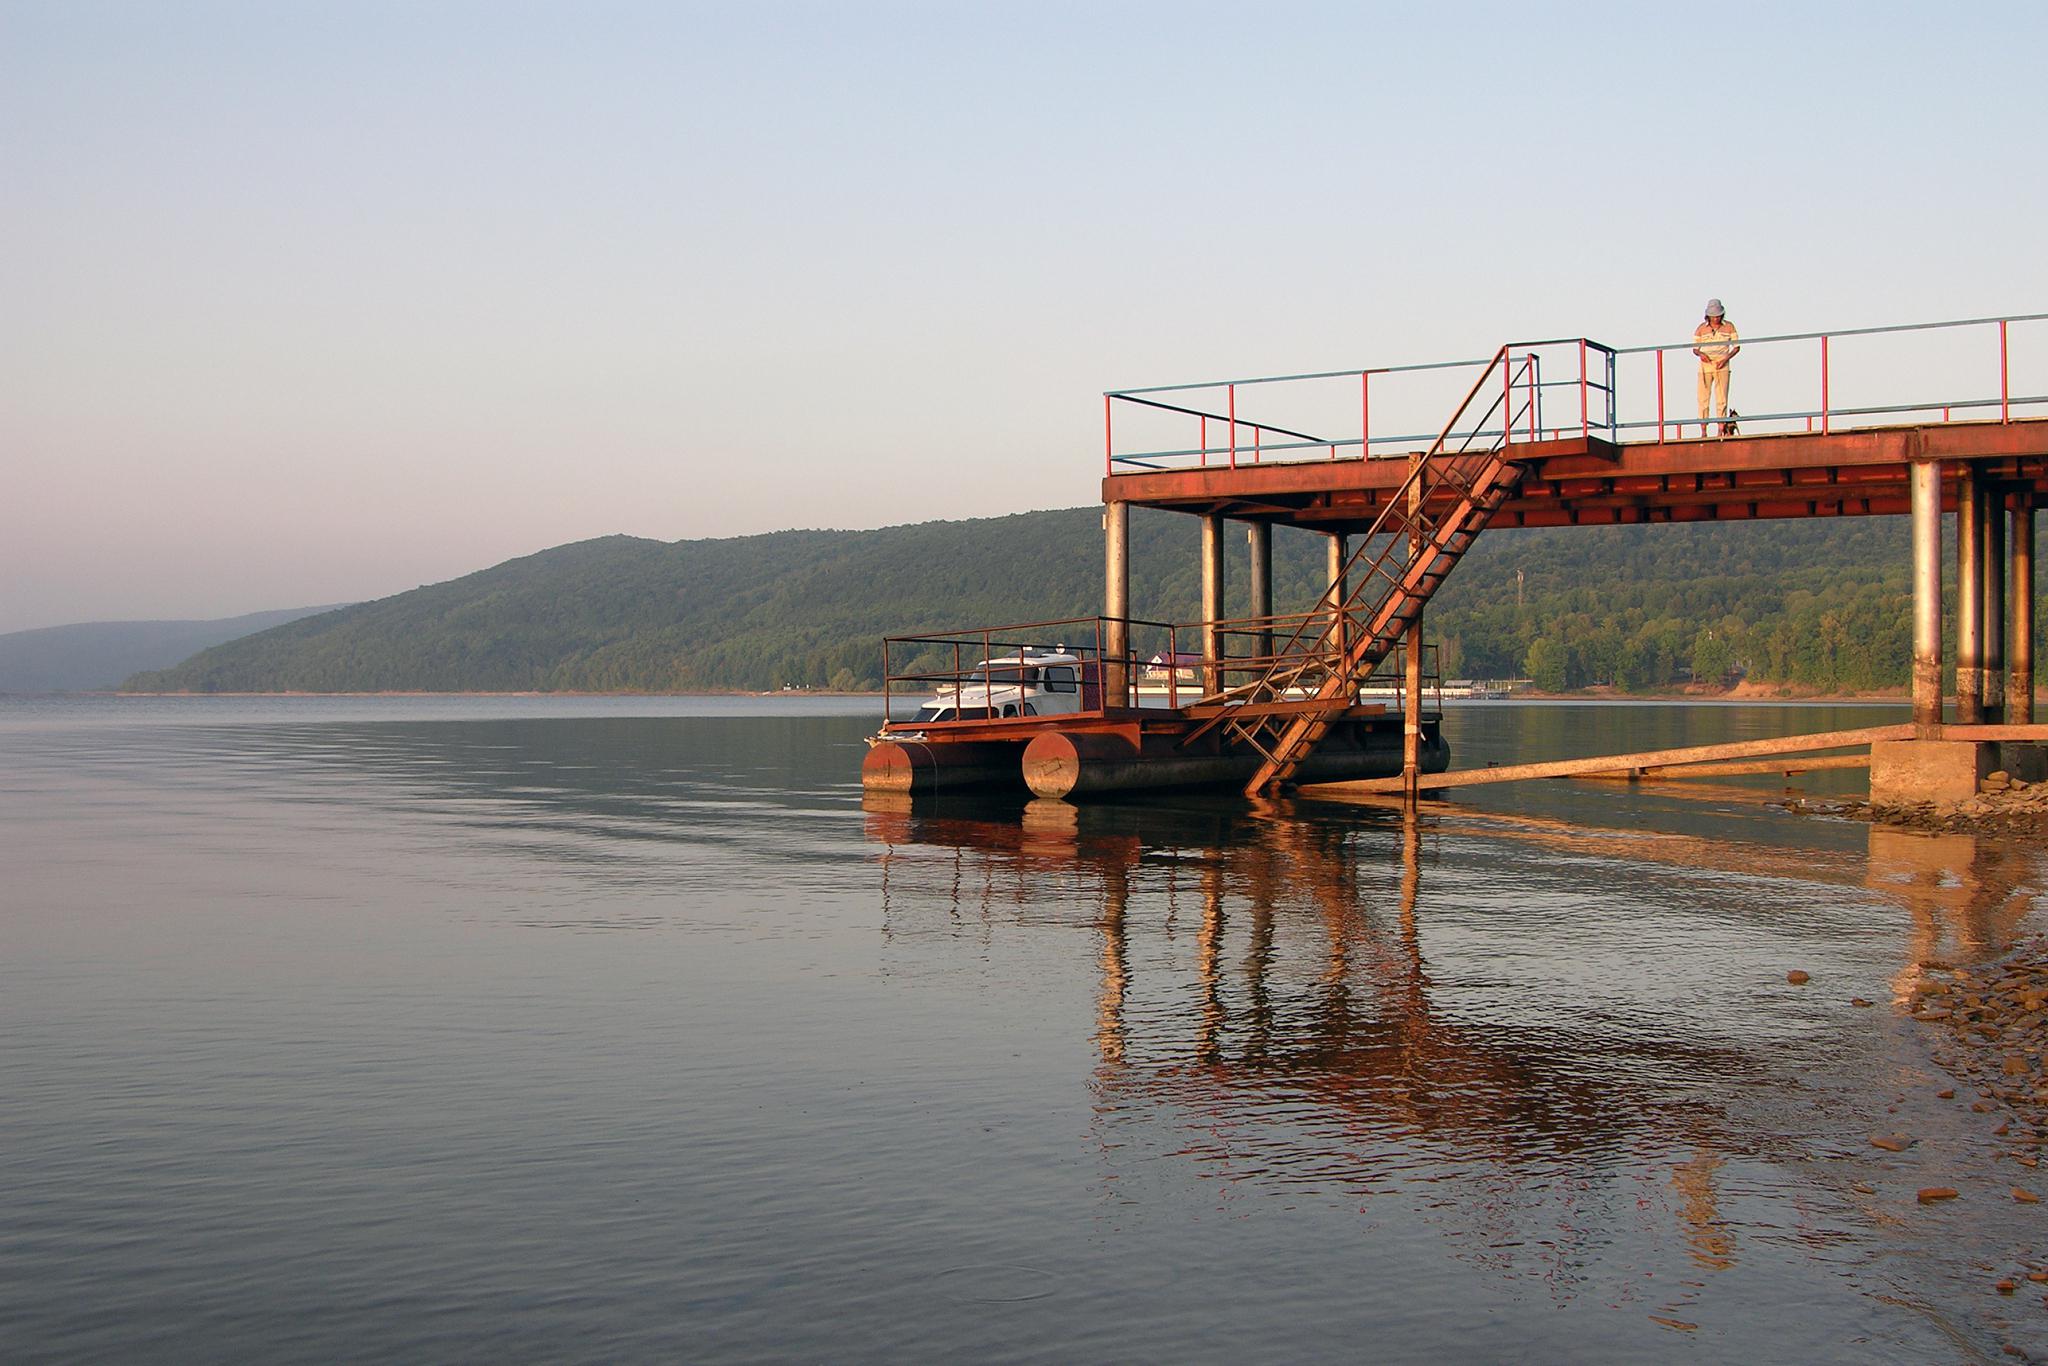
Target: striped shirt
{"points": [[1715, 341]]}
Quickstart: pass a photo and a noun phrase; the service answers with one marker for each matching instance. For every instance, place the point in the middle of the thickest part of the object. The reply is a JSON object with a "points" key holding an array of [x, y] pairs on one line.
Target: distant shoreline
{"points": [[1753, 693], [483, 692]]}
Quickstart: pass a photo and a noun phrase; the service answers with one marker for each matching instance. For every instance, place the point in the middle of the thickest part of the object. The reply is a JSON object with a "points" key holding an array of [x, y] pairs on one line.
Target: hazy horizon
{"points": [[318, 304]]}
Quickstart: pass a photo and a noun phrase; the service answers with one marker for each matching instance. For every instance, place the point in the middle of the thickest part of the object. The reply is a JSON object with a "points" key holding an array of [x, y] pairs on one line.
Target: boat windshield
{"points": [[946, 711], [1003, 673]]}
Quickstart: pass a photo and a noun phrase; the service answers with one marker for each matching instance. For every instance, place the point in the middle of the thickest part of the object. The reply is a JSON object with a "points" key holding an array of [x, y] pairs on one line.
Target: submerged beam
{"points": [[1733, 768], [1568, 768]]}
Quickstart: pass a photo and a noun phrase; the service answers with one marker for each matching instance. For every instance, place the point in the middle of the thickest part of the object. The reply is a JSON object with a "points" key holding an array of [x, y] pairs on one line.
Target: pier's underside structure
{"points": [[1547, 434]]}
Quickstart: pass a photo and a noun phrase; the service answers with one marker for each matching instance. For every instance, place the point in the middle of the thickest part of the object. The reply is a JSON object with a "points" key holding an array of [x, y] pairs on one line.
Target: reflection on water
{"points": [[1967, 895], [1323, 1002], [585, 1035]]}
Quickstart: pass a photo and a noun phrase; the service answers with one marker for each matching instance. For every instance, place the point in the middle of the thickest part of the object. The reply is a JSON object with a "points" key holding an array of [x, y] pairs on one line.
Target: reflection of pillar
{"points": [[2019, 688], [1969, 599], [1260, 1017], [1993, 538], [1417, 1014], [1116, 603], [1116, 971], [1706, 1233], [1212, 602], [1927, 593], [1259, 535], [1411, 871], [1967, 896], [1209, 963]]}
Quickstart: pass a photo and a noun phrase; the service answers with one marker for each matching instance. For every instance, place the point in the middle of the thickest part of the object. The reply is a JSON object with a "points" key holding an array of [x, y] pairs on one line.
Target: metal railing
{"points": [[1612, 392], [972, 670], [1400, 560], [969, 668], [1822, 381]]}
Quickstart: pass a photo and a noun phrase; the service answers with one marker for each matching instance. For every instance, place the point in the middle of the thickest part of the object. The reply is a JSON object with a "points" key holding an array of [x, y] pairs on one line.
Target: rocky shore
{"points": [[1995, 1022], [1991, 1032], [2004, 806]]}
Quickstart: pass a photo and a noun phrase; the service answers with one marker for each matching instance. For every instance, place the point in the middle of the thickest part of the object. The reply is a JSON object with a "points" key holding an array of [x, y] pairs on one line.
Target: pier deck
{"points": [[1558, 433], [1592, 481]]}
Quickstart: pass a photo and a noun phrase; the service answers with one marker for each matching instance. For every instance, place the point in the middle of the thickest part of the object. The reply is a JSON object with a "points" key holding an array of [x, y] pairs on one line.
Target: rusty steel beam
{"points": [[1846, 465], [1733, 769], [1570, 768]]}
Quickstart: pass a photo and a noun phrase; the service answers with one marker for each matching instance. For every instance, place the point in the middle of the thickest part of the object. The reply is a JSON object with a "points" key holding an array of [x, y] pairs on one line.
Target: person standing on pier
{"points": [[1714, 342]]}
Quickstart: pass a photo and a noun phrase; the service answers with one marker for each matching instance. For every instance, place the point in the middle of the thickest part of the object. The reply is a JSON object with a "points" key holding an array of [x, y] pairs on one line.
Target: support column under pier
{"points": [[1411, 715], [1259, 536], [1339, 555], [1212, 602], [2019, 688], [1994, 604], [1969, 599], [1116, 604], [1927, 593], [1411, 684]]}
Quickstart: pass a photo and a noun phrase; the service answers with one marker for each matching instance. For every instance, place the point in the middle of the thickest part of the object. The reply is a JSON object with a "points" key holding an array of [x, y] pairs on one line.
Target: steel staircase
{"points": [[1452, 491]]}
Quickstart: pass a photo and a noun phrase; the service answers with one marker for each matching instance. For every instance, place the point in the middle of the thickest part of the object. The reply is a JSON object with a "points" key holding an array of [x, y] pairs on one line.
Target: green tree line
{"points": [[1819, 604]]}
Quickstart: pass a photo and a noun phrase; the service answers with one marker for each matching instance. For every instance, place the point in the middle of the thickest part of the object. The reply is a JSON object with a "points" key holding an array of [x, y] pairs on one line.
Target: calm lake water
{"points": [[588, 1030]]}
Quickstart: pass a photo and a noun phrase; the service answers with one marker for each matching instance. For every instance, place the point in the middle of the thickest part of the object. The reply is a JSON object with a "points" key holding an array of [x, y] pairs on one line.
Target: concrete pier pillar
{"points": [[1338, 556], [1212, 603], [1259, 537], [1909, 773], [1969, 599], [2019, 687], [1411, 689], [1116, 604], [1994, 604], [1927, 593], [1411, 715]]}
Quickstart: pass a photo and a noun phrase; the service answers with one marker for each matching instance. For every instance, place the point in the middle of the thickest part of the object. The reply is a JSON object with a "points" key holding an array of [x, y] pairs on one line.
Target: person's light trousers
{"points": [[1714, 385]]}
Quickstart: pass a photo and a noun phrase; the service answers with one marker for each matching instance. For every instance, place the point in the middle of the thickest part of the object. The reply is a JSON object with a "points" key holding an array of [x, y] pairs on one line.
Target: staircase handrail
{"points": [[1329, 601]]}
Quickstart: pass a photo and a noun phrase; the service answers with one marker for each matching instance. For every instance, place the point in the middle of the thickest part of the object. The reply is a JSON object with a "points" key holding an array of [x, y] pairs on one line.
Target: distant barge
{"points": [[1012, 713]]}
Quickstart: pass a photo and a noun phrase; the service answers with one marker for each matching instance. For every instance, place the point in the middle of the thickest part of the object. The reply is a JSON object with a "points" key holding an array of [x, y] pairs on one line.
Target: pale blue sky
{"points": [[310, 302]]}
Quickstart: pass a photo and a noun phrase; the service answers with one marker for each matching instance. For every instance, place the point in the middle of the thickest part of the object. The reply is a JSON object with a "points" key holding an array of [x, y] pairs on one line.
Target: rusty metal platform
{"points": [[1592, 481], [1606, 432]]}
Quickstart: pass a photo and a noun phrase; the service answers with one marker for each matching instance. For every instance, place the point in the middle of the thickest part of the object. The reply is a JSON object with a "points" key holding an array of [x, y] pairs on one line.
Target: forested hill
{"points": [[1820, 603], [99, 654]]}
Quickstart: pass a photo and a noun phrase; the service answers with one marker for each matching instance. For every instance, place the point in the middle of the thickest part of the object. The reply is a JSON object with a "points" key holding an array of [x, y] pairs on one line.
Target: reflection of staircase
{"points": [[1450, 495]]}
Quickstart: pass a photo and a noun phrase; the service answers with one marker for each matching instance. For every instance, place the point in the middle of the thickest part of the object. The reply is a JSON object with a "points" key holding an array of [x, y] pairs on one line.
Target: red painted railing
{"points": [[1621, 393]]}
